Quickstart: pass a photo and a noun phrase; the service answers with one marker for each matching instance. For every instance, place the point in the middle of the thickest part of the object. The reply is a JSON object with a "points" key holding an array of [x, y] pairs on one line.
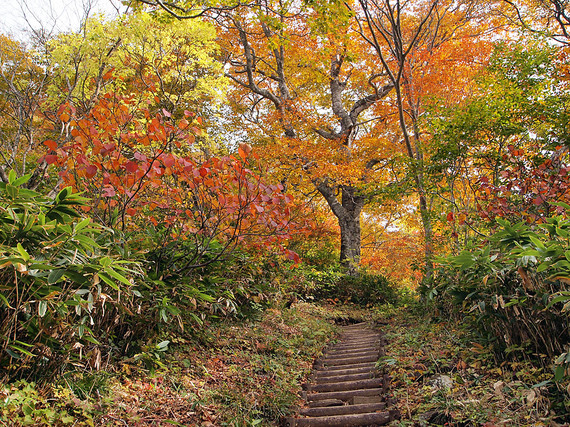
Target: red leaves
{"points": [[131, 166], [168, 160], [50, 159], [293, 256], [183, 124], [108, 191], [133, 161], [528, 181], [90, 171], [109, 74], [461, 218], [52, 145], [244, 150]]}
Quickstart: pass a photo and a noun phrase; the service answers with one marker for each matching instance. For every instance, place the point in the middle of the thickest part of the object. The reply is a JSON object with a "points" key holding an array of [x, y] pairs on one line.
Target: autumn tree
{"points": [[429, 50], [548, 17], [170, 65], [146, 54], [303, 79], [23, 85], [130, 138], [510, 141]]}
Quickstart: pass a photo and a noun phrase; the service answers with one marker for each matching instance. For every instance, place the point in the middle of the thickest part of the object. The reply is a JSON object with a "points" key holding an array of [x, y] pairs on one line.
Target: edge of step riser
{"points": [[346, 345], [346, 385], [345, 355], [349, 360], [368, 366], [374, 345], [344, 395], [327, 375], [343, 410], [376, 418], [324, 379]]}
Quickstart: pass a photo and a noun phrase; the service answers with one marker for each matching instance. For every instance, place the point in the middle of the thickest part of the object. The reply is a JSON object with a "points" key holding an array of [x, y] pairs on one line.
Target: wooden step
{"points": [[349, 360], [377, 418], [326, 403], [349, 377], [373, 346], [345, 388], [344, 355], [347, 385], [353, 368], [343, 410], [354, 347], [344, 395]]}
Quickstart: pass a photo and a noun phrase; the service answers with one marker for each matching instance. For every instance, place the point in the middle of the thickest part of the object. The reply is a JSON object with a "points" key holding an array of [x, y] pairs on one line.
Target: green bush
{"points": [[208, 281], [513, 291], [64, 291], [23, 405], [364, 289]]}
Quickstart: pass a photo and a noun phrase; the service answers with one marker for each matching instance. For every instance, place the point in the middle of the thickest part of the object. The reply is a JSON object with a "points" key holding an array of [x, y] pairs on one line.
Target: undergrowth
{"points": [[424, 352], [237, 373]]}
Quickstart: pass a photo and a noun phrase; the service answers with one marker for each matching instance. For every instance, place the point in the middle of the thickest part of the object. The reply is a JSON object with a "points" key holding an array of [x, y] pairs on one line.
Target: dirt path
{"points": [[345, 388]]}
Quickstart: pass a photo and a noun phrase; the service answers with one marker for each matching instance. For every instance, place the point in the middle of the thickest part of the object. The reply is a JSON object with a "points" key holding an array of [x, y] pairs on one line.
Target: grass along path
{"points": [[233, 373], [249, 373], [440, 376]]}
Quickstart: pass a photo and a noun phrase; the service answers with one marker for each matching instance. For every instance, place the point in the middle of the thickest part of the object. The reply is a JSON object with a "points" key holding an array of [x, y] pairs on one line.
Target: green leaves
{"points": [[519, 279], [49, 277], [22, 251]]}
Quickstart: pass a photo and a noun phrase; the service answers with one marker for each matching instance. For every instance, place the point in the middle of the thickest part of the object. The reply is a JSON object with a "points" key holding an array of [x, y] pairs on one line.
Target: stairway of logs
{"points": [[345, 388]]}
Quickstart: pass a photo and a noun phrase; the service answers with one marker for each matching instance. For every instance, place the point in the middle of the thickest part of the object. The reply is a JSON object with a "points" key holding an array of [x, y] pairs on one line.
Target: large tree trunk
{"points": [[350, 242], [347, 212]]}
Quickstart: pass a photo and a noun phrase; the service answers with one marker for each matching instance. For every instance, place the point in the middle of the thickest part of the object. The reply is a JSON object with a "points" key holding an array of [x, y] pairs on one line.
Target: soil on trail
{"points": [[345, 388]]}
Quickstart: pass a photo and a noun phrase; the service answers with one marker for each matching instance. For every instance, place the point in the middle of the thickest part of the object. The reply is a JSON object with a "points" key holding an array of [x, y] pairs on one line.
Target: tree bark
{"points": [[347, 212], [342, 196], [350, 241]]}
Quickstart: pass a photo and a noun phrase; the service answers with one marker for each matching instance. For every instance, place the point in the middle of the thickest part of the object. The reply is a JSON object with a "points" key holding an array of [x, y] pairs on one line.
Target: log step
{"points": [[323, 379], [347, 385], [355, 345], [349, 360], [352, 350], [343, 410], [377, 418], [325, 403], [345, 354], [345, 388], [368, 366], [344, 395], [343, 370]]}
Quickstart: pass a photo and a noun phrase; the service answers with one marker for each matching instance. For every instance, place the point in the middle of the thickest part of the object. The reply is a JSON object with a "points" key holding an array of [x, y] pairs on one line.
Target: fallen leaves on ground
{"points": [[440, 377]]}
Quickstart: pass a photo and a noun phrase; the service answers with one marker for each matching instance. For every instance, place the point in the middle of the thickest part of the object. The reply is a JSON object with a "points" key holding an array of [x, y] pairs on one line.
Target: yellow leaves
{"points": [[461, 218], [139, 46]]}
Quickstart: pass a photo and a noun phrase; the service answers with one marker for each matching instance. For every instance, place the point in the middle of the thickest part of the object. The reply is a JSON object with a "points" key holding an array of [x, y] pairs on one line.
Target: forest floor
{"points": [[441, 376], [248, 373]]}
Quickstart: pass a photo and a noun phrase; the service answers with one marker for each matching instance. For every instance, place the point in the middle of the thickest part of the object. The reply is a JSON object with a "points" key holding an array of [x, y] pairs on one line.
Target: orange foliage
{"points": [[396, 255], [139, 168]]}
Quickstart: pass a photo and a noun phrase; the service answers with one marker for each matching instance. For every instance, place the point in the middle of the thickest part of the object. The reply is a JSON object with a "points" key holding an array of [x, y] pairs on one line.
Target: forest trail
{"points": [[345, 388]]}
